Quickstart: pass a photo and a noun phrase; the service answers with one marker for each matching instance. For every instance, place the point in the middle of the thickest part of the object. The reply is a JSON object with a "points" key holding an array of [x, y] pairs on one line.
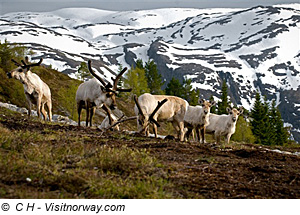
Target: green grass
{"points": [[53, 164]]}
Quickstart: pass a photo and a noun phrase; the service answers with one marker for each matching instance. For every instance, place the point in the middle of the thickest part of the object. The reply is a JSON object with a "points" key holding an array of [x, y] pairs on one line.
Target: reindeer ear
{"points": [[213, 103], [228, 109], [201, 101], [241, 109]]}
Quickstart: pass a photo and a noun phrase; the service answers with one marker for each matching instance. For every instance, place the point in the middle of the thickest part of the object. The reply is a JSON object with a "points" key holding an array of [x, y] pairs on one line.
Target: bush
{"points": [[243, 132]]}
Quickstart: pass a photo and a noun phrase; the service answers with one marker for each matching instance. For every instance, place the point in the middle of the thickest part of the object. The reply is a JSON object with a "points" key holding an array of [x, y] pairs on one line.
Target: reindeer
{"points": [[197, 117], [174, 111], [36, 91], [223, 125], [95, 92]]}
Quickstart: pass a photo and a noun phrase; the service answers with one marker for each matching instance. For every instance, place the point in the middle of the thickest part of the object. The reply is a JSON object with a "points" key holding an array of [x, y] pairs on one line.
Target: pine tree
{"points": [[139, 64], [194, 97], [190, 94], [136, 79], [267, 133], [10, 51], [174, 88], [280, 134], [266, 124], [121, 80], [154, 79], [223, 104], [83, 72], [257, 119]]}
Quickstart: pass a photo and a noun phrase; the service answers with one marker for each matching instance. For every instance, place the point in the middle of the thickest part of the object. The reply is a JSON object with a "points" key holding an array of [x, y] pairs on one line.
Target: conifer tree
{"points": [[280, 134], [10, 51], [267, 124], [190, 94], [139, 64], [83, 72], [223, 104], [175, 88], [257, 119], [154, 79], [266, 130], [136, 79]]}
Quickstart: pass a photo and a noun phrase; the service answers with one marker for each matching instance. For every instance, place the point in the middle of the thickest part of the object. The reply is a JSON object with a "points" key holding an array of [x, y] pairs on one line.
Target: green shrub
{"points": [[243, 132]]}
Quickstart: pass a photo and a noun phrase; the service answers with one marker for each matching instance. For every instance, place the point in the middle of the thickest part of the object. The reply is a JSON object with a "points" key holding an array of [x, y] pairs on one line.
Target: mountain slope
{"points": [[252, 49]]}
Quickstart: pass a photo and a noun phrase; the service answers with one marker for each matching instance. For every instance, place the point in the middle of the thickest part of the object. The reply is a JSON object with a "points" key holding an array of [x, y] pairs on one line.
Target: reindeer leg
{"points": [[176, 127], [43, 111], [198, 133], [29, 104], [147, 133], [203, 134], [228, 138], [155, 130], [155, 127], [217, 137], [92, 112], [87, 104], [181, 131], [188, 133], [49, 106], [79, 108], [38, 106]]}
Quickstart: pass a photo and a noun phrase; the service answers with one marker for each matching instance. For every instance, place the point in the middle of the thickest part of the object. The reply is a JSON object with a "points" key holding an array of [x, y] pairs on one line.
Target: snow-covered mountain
{"points": [[252, 49]]}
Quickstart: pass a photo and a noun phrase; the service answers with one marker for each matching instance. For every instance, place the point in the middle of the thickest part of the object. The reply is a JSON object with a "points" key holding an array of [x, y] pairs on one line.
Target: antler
{"points": [[155, 110], [15, 62], [138, 105], [121, 120], [94, 74], [107, 110], [116, 80], [25, 65]]}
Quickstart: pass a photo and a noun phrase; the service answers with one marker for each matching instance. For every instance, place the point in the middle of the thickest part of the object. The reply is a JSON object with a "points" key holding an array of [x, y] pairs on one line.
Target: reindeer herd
{"points": [[149, 109]]}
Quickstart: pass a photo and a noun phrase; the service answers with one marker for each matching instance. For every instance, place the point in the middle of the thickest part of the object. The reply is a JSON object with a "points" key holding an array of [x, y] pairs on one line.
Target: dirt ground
{"points": [[202, 170]]}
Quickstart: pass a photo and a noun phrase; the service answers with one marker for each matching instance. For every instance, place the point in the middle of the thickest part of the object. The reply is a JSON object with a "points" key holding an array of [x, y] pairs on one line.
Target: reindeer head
{"points": [[206, 105], [108, 89], [144, 119], [20, 72], [234, 113]]}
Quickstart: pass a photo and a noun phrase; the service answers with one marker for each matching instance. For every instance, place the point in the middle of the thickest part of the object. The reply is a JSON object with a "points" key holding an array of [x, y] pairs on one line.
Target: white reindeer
{"points": [[95, 92], [36, 91], [197, 117], [223, 125], [173, 110]]}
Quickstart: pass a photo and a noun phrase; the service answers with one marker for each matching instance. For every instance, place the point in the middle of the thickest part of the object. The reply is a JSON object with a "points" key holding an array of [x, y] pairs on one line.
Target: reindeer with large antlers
{"points": [[148, 109], [95, 92], [36, 91]]}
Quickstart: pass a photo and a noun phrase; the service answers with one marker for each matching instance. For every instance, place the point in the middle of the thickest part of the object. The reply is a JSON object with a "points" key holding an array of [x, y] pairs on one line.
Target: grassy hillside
{"points": [[63, 90], [48, 160]]}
